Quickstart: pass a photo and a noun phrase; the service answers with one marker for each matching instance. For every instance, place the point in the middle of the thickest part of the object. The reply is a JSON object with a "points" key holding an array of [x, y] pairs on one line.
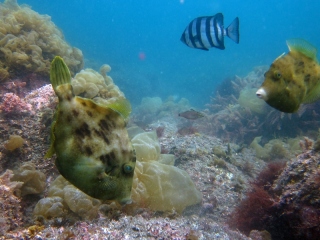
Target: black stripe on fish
{"points": [[208, 33], [199, 33], [190, 36]]}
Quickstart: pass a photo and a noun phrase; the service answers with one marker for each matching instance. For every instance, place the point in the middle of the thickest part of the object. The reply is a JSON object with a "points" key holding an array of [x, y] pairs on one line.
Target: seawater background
{"points": [[116, 31]]}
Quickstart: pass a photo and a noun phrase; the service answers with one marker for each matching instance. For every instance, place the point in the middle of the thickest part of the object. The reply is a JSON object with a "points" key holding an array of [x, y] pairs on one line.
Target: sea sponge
{"points": [[261, 152], [64, 198], [248, 99], [99, 87], [34, 181], [274, 149], [29, 41], [14, 142], [49, 207], [159, 186], [147, 146], [88, 82]]}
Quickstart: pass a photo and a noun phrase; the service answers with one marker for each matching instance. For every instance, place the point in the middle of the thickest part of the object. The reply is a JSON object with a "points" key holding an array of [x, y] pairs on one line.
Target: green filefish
{"points": [[90, 140], [292, 79]]}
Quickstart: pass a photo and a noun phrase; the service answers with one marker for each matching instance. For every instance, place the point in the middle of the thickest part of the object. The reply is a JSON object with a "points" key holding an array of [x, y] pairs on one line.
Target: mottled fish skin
{"points": [[191, 114], [291, 80], [91, 142]]}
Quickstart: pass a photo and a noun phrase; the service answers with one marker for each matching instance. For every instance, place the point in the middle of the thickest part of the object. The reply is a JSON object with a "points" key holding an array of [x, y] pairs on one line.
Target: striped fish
{"points": [[206, 32]]}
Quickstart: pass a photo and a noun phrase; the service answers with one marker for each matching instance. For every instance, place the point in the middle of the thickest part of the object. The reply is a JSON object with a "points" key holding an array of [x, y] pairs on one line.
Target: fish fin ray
{"points": [[51, 150], [232, 30], [59, 72], [302, 46]]}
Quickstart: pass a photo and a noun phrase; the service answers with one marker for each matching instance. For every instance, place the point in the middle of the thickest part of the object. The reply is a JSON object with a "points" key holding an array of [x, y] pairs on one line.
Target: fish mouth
{"points": [[262, 94]]}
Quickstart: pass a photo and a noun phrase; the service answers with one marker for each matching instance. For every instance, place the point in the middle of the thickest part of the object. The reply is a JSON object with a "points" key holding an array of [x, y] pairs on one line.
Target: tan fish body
{"points": [[91, 142], [191, 114], [292, 79]]}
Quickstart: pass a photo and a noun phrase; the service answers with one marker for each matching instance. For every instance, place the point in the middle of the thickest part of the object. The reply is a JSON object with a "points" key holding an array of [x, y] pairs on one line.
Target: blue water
{"points": [[116, 31]]}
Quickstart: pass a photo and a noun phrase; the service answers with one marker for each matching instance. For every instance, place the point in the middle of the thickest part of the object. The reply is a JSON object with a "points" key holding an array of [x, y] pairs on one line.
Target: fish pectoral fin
{"points": [[121, 106], [51, 150]]}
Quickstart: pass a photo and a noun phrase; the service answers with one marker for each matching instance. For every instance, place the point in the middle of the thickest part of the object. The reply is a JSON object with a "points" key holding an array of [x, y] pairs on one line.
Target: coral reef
{"points": [[29, 41], [276, 149], [285, 205], [193, 154]]}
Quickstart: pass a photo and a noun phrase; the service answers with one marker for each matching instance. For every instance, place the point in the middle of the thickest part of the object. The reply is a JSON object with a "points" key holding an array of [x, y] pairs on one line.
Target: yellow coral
{"points": [[34, 181], [100, 87], [29, 41], [14, 142], [62, 198]]}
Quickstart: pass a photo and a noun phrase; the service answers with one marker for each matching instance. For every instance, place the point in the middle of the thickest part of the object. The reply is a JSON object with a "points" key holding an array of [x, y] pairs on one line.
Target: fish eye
{"points": [[127, 168], [277, 74]]}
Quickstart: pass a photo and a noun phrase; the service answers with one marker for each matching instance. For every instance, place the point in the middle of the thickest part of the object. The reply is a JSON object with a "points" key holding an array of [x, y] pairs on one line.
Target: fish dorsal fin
{"points": [[279, 57], [59, 72], [121, 106], [302, 46]]}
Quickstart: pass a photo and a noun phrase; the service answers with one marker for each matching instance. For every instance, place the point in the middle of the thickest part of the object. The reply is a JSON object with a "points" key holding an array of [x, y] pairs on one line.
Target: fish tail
{"points": [[233, 30], [59, 72]]}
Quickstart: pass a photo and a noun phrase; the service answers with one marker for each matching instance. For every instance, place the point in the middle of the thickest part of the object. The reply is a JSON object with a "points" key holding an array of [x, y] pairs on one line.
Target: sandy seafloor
{"points": [[193, 153]]}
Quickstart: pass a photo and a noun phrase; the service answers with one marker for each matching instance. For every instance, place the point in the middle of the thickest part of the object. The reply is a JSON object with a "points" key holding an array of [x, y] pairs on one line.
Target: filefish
{"points": [[191, 114], [292, 79], [91, 143], [206, 32]]}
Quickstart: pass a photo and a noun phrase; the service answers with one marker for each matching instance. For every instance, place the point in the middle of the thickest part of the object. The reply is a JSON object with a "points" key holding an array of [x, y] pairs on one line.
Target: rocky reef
{"points": [[284, 199]]}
